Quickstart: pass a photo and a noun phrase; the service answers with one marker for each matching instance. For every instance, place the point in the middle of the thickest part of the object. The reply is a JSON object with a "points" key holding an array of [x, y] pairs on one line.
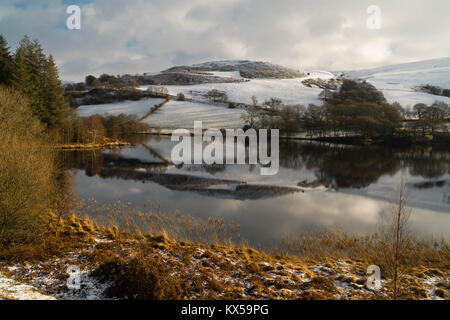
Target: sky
{"points": [[137, 36]]}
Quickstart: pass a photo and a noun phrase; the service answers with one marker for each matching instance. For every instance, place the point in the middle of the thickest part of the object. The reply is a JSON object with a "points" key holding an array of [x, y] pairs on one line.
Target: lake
{"points": [[318, 185]]}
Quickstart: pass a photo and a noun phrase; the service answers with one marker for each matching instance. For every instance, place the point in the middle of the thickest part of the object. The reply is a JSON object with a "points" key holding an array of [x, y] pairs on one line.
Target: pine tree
{"points": [[55, 103], [19, 74], [5, 62], [36, 60], [37, 77], [27, 73]]}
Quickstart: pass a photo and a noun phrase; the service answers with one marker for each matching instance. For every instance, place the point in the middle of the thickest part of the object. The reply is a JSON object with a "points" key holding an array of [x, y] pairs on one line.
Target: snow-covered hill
{"points": [[248, 69], [400, 82], [290, 91]]}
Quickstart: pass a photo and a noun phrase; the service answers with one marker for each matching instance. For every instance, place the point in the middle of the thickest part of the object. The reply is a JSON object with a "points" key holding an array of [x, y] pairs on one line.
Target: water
{"points": [[341, 186]]}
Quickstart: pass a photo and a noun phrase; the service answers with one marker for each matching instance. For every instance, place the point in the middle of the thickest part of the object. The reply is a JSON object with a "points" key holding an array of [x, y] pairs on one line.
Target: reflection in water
{"points": [[317, 185]]}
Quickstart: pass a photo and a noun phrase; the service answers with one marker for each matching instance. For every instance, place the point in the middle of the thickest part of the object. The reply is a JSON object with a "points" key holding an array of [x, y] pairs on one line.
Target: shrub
{"points": [[181, 97], [142, 278], [26, 171]]}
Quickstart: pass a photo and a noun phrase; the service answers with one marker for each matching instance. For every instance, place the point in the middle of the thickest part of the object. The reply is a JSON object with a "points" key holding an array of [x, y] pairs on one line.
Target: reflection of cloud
{"points": [[134, 190], [333, 209], [299, 34], [264, 221]]}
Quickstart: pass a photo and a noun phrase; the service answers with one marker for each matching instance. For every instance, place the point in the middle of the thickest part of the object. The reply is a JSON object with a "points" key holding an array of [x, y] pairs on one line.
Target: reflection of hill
{"points": [[358, 167], [251, 192], [115, 166], [333, 165], [348, 167]]}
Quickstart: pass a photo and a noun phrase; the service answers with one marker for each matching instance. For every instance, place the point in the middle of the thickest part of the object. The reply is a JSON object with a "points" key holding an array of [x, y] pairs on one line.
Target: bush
{"points": [[142, 278], [26, 171], [181, 97]]}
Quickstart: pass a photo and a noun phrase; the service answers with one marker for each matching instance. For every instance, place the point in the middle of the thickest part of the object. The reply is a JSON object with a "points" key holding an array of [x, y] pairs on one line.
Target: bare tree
{"points": [[252, 116], [396, 238]]}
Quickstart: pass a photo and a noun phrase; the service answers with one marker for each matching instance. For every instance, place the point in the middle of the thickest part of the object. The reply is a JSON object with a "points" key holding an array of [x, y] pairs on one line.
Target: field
{"points": [[182, 114]]}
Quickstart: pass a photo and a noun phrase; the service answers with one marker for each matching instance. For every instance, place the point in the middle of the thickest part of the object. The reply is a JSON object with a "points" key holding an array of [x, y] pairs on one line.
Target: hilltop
{"points": [[246, 68]]}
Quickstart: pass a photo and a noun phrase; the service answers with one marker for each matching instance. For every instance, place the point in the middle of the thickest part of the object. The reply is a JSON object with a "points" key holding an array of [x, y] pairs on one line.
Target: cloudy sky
{"points": [[136, 36]]}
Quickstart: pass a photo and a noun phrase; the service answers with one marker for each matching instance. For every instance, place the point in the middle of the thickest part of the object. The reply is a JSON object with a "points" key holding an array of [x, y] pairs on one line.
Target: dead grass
{"points": [[143, 277], [159, 267], [430, 252]]}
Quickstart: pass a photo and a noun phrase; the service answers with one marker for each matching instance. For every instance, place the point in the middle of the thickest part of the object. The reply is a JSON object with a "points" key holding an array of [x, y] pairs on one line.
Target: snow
{"points": [[182, 114], [227, 74], [140, 108], [221, 64], [399, 82], [11, 289], [291, 91]]}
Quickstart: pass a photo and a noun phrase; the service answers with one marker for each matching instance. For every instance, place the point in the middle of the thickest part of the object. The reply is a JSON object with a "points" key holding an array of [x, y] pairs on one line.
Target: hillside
{"points": [[402, 82], [247, 69], [240, 80]]}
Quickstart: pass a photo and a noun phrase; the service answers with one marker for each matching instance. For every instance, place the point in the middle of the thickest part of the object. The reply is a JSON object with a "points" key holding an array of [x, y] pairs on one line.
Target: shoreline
{"points": [[108, 259], [91, 146]]}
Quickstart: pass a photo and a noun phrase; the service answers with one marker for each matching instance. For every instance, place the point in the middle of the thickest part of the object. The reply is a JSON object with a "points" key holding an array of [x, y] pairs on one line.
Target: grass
{"points": [[151, 221], [158, 266], [143, 277]]}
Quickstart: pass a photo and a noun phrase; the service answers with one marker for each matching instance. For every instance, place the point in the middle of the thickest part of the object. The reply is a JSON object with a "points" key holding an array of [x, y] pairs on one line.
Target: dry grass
{"points": [[151, 221], [157, 267], [143, 277], [27, 173], [432, 252]]}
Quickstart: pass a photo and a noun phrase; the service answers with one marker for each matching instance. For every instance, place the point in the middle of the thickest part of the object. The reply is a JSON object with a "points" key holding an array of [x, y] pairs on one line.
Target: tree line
{"points": [[35, 76], [356, 108]]}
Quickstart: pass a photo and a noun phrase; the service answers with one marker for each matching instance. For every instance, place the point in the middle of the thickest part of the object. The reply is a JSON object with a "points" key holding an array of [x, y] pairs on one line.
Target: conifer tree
{"points": [[55, 103], [19, 74], [37, 77], [5, 62]]}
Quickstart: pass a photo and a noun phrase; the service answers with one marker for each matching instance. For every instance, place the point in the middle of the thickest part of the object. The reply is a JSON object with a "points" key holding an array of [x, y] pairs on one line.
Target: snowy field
{"points": [[398, 82], [290, 91], [140, 108], [182, 114]]}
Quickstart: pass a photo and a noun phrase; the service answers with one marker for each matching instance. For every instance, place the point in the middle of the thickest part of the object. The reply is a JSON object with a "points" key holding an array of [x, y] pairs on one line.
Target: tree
{"points": [[90, 80], [37, 77], [6, 62], [290, 118], [401, 111], [56, 105], [251, 117], [325, 94], [19, 74], [217, 96], [357, 92], [436, 116], [29, 79], [315, 119], [396, 239], [273, 103]]}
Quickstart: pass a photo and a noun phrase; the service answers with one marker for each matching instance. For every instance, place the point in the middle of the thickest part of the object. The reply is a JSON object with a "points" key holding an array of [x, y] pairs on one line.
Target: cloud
{"points": [[137, 36]]}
